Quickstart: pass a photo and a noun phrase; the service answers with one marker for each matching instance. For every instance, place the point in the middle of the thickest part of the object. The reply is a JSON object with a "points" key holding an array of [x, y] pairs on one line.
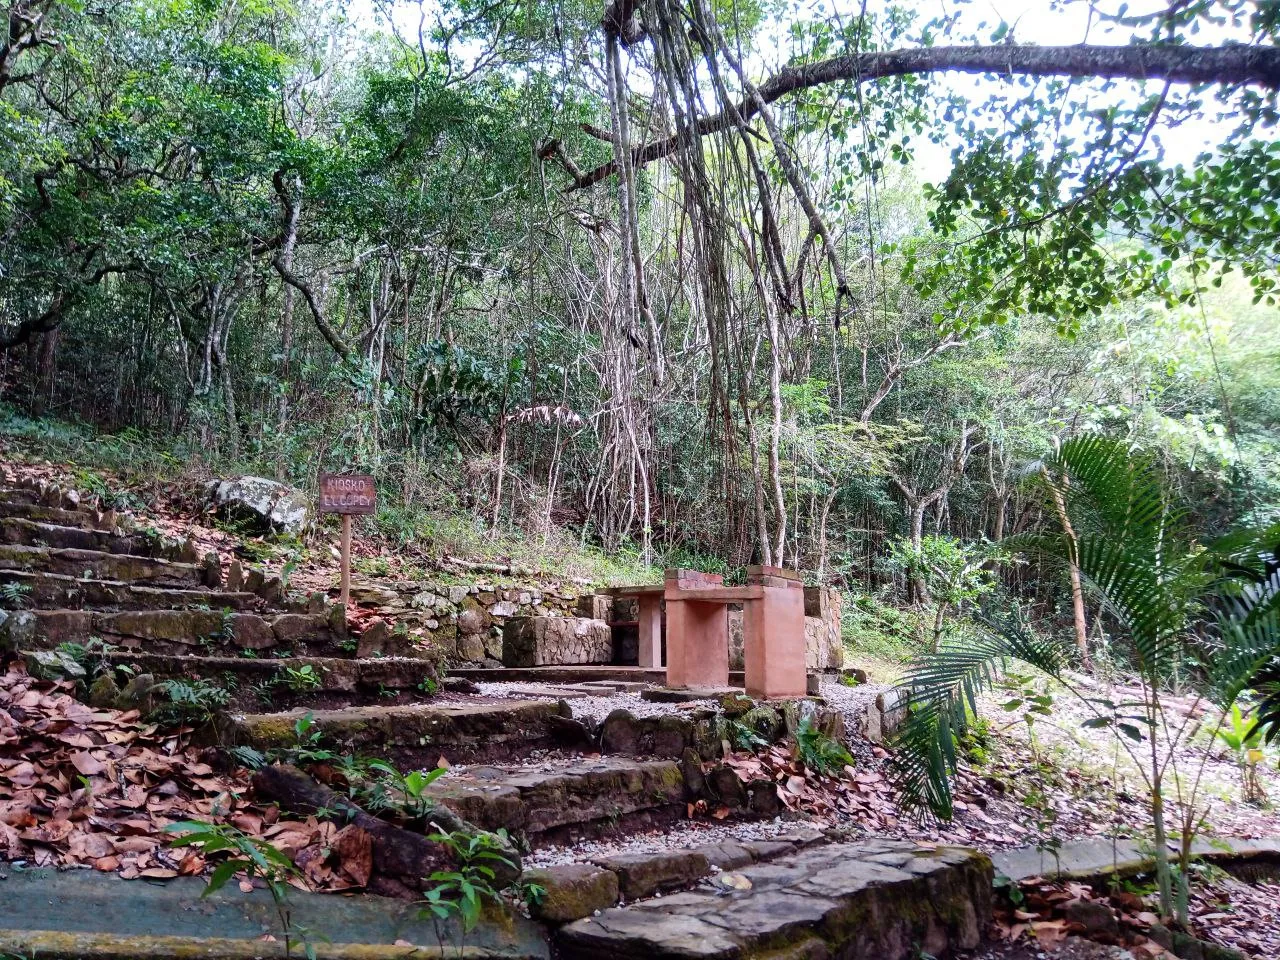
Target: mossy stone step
{"points": [[552, 802], [336, 674], [179, 630], [34, 533], [24, 496], [888, 899], [38, 512], [411, 734], [57, 590], [87, 915], [99, 565]]}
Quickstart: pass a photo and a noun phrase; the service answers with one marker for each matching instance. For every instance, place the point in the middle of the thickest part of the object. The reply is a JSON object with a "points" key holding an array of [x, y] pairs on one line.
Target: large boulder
{"points": [[543, 641], [266, 505]]}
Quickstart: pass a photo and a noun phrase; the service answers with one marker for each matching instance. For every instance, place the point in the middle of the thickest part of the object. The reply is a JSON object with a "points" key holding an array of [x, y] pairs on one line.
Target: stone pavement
{"points": [[1087, 859], [882, 899], [82, 914]]}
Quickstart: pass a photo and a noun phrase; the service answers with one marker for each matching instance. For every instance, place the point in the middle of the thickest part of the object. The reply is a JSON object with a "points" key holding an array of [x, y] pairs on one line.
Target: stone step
{"points": [[87, 915], [887, 899], [98, 565], [412, 735], [33, 533], [567, 801], [178, 631], [27, 496], [335, 675], [563, 674], [57, 590], [84, 519]]}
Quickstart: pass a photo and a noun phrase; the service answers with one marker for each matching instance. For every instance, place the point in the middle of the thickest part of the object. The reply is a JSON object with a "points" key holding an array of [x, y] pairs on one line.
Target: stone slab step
{"points": [[175, 631], [413, 734], [1103, 858], [57, 590], [38, 512], [565, 801], [576, 674], [99, 565], [336, 674], [85, 915], [27, 496], [881, 899], [33, 533]]}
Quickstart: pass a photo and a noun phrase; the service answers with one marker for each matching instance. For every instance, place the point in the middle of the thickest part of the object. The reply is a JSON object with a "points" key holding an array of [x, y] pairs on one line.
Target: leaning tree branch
{"points": [[1229, 65], [292, 210]]}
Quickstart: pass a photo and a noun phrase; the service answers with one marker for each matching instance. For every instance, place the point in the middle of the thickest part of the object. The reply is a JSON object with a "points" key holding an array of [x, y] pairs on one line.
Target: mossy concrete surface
{"points": [[87, 916], [1098, 858]]}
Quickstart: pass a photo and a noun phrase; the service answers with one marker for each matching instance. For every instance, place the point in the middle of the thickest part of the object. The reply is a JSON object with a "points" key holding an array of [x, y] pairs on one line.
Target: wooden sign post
{"points": [[348, 494]]}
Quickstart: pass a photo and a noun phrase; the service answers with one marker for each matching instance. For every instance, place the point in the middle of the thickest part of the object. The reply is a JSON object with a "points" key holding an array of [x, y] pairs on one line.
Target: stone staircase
{"points": [[87, 592]]}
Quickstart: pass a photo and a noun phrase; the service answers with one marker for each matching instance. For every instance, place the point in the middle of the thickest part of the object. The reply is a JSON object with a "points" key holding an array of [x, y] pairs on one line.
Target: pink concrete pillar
{"points": [[650, 630], [698, 644], [773, 637]]}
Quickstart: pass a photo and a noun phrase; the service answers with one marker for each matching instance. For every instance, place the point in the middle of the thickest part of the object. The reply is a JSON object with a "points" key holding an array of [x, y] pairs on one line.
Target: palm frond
{"points": [[1123, 490], [1151, 602], [941, 688]]}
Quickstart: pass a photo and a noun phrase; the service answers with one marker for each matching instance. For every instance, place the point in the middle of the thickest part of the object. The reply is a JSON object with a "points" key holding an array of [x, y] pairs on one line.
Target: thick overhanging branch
{"points": [[1231, 65]]}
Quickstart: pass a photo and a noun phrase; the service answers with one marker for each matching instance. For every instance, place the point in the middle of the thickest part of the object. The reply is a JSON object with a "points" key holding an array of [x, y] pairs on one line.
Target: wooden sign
{"points": [[348, 493]]}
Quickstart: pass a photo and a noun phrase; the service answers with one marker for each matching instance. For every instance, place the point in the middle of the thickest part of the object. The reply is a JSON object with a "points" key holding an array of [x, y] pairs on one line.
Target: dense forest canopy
{"points": [[819, 286]]}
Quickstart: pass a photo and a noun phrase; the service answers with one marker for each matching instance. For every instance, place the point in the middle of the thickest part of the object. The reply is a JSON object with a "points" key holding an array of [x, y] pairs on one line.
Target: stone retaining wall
{"points": [[465, 621]]}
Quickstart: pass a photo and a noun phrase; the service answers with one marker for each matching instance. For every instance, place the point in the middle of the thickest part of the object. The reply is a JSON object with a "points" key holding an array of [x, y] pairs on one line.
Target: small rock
{"points": [[105, 692], [573, 891], [1094, 917], [138, 694], [53, 665]]}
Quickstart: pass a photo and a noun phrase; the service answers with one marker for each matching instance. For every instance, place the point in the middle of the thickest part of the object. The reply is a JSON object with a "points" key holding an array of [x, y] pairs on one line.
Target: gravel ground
{"points": [[596, 707], [679, 836]]}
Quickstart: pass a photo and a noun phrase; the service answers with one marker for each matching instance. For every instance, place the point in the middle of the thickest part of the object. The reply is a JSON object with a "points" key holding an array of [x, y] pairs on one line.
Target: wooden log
{"points": [[398, 853]]}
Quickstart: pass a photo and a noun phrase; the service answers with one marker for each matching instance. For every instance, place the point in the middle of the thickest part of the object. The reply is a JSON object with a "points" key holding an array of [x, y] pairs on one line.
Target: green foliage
{"points": [[13, 595], [301, 679], [402, 793], [820, 753], [188, 702], [465, 890]]}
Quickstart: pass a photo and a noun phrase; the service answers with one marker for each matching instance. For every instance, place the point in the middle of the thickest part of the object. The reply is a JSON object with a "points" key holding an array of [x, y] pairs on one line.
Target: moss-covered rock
{"points": [[572, 891]]}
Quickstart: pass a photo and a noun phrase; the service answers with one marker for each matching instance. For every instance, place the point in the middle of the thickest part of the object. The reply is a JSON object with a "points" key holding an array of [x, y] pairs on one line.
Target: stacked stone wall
{"points": [[465, 621]]}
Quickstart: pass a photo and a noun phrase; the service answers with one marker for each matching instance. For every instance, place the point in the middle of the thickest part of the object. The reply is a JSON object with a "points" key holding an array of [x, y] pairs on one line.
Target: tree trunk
{"points": [[1077, 590], [402, 854]]}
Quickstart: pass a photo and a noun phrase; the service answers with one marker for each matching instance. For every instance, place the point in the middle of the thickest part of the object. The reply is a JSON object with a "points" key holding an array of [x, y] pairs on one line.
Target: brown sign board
{"points": [[349, 493]]}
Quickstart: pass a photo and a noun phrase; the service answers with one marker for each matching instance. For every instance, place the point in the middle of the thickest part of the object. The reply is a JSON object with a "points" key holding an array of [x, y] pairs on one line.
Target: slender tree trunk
{"points": [[1077, 590]]}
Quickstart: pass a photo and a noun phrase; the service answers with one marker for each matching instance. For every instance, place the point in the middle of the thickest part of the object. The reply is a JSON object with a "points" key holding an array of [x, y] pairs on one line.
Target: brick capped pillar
{"points": [[697, 633], [773, 634]]}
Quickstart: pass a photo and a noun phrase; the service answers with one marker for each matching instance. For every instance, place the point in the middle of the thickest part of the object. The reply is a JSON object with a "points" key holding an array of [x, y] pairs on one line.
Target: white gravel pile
{"points": [[682, 835], [852, 702], [595, 707]]}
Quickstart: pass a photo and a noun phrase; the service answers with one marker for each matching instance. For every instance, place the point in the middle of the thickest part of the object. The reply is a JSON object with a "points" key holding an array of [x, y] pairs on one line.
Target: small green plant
{"points": [[253, 857], [819, 752], [429, 687], [405, 793], [307, 747], [744, 737], [849, 680], [188, 702], [301, 679], [465, 891], [14, 595], [1244, 739]]}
